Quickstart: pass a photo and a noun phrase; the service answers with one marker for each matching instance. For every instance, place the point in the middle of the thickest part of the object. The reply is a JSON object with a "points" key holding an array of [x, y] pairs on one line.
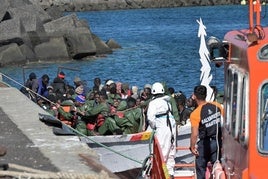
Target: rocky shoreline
{"points": [[96, 5], [34, 31], [31, 34]]}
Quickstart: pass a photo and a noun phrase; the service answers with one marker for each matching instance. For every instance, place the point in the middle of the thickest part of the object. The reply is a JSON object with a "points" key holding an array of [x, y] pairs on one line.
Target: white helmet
{"points": [[158, 88]]}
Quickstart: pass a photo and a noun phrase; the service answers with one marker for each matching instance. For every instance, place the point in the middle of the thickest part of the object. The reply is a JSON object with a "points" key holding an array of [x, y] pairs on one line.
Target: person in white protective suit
{"points": [[160, 118]]}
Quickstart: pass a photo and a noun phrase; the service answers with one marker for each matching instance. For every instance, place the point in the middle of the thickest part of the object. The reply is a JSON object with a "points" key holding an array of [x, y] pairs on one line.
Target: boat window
{"points": [[263, 53], [231, 102], [228, 94], [234, 104], [243, 131], [263, 119]]}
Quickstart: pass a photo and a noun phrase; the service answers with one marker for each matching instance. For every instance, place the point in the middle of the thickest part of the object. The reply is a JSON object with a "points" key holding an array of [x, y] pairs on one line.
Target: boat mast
{"points": [[254, 7]]}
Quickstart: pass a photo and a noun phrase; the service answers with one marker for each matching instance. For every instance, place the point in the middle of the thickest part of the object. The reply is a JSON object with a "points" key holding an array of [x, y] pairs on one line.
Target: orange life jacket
{"points": [[99, 121], [65, 121]]}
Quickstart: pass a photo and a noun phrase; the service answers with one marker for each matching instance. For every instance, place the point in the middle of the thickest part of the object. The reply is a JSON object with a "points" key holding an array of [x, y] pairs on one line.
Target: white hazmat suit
{"points": [[160, 118]]}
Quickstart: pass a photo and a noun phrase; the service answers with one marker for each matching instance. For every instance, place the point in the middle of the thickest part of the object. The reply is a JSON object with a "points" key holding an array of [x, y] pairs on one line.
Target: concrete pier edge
{"points": [[65, 152]]}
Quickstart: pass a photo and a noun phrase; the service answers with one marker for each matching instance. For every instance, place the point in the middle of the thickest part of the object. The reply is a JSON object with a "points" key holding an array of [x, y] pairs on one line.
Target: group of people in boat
{"points": [[115, 108], [103, 109]]}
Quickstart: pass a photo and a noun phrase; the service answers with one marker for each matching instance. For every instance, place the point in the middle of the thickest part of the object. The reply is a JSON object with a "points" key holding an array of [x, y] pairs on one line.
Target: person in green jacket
{"points": [[87, 122], [104, 124], [67, 112], [132, 119]]}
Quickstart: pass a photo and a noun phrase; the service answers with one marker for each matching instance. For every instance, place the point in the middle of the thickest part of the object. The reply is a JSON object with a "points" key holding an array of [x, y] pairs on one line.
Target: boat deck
{"points": [[32, 144]]}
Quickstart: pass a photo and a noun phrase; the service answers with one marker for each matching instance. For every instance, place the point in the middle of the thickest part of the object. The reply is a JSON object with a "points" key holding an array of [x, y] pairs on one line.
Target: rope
{"points": [[102, 145], [27, 88], [26, 172], [217, 131], [148, 158], [217, 134], [217, 127]]}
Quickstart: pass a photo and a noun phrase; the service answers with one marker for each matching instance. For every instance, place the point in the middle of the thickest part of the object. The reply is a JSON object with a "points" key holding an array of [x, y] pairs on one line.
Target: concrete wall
{"points": [[94, 5]]}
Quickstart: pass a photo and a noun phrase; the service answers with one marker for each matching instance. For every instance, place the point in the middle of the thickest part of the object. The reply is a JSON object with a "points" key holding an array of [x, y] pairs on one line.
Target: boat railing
{"points": [[189, 165], [159, 168], [184, 170]]}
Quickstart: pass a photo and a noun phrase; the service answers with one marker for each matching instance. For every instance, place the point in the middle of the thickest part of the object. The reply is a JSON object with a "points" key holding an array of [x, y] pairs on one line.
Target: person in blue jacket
{"points": [[42, 90]]}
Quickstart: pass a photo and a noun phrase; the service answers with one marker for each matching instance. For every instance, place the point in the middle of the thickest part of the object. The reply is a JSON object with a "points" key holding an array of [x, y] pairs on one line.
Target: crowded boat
{"points": [[112, 108]]}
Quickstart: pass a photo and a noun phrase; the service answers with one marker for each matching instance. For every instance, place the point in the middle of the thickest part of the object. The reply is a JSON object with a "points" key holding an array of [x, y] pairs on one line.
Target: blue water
{"points": [[157, 45]]}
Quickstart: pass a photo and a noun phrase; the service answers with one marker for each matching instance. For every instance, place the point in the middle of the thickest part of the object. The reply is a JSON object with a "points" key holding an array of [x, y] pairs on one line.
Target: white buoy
{"points": [[243, 2]]}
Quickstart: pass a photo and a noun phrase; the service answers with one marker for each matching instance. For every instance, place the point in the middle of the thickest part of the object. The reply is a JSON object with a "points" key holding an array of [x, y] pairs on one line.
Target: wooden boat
{"points": [[115, 151], [244, 54], [120, 153]]}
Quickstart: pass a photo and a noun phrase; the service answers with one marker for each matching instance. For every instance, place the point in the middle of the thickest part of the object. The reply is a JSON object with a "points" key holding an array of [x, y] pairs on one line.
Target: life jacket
{"points": [[91, 126], [120, 114], [71, 122], [113, 110], [99, 121]]}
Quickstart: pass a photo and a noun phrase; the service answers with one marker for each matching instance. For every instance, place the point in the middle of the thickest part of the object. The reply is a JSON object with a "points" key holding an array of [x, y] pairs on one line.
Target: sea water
{"points": [[157, 45]]}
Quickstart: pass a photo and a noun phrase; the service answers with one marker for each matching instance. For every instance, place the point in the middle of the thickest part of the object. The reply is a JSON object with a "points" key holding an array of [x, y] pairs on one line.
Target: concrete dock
{"points": [[32, 144]]}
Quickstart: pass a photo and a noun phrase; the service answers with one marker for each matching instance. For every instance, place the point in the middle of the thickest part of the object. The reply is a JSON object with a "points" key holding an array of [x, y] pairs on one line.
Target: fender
{"points": [[217, 171]]}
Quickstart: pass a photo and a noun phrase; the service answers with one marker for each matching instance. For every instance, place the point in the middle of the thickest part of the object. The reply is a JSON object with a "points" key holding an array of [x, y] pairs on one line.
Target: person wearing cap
{"points": [[205, 142], [87, 123], [160, 118], [106, 87], [80, 100], [59, 84], [80, 87], [109, 82], [80, 104], [30, 87], [42, 91], [77, 82], [93, 109], [135, 92], [32, 82], [67, 112]]}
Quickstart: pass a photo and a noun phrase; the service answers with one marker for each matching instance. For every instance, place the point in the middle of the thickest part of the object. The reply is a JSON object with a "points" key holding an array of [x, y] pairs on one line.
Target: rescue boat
{"points": [[244, 54]]}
